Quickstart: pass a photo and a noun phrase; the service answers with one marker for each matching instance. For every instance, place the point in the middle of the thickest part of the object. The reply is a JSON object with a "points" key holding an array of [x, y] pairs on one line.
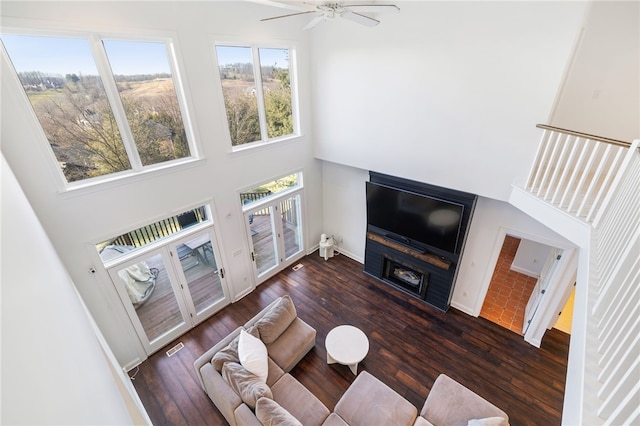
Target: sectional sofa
{"points": [[246, 375]]}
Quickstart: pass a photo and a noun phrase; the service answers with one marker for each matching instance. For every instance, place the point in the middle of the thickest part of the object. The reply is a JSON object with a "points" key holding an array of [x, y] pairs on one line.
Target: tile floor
{"points": [[509, 291]]}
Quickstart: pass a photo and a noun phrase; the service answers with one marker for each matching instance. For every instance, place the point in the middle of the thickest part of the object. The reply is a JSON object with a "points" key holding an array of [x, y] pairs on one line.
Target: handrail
{"points": [[624, 144]]}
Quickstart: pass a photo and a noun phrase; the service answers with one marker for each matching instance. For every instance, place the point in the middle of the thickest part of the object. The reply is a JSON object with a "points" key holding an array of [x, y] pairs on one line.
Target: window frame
{"points": [[99, 55], [257, 76]]}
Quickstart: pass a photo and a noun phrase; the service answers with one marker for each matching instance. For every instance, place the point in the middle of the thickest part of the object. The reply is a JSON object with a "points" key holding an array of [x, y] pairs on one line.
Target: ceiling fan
{"points": [[327, 11]]}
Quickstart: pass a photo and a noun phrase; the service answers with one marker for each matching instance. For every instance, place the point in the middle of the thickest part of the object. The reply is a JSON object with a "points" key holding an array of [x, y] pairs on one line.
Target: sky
{"points": [[57, 55], [63, 56], [233, 55]]}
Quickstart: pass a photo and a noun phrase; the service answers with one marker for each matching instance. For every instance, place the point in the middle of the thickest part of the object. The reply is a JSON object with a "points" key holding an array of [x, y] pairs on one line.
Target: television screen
{"points": [[416, 217]]}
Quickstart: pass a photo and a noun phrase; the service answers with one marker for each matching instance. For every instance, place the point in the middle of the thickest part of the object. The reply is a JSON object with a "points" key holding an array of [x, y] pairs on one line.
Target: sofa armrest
{"points": [[246, 417], [222, 395], [206, 357], [450, 403]]}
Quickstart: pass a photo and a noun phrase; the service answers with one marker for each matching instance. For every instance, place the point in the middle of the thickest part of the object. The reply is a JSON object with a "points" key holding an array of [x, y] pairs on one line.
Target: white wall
{"points": [[601, 95], [530, 258], [74, 222], [447, 93], [344, 208], [53, 368]]}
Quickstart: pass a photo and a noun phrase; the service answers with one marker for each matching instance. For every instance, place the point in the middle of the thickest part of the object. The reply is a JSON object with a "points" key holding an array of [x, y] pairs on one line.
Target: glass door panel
{"points": [[263, 238], [201, 272], [150, 287], [291, 226]]}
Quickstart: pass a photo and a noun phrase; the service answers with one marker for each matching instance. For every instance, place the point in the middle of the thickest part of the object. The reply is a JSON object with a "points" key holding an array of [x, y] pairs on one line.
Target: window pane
{"points": [[61, 80], [145, 83], [149, 287], [276, 86], [291, 225], [198, 263], [273, 187], [238, 87]]}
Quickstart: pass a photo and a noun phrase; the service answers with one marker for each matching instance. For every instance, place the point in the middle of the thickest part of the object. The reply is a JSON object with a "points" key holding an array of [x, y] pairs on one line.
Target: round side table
{"points": [[346, 345]]}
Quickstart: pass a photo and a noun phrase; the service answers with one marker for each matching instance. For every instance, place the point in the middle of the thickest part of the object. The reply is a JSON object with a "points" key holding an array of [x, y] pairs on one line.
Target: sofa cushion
{"points": [[270, 413], [451, 403], [230, 351], [334, 420], [368, 401], [299, 401], [421, 421], [227, 354], [276, 320], [292, 345], [488, 421], [246, 384], [253, 355]]}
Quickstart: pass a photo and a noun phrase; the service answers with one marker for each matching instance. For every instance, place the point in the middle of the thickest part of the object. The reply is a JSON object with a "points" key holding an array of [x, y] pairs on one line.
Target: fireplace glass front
{"points": [[405, 277]]}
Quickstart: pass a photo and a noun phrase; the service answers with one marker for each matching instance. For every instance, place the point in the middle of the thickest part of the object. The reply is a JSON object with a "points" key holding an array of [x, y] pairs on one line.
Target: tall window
{"points": [[256, 83], [106, 106]]}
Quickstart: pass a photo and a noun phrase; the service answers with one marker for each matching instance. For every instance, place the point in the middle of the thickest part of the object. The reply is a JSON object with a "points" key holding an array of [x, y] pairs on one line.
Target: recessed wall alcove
{"points": [[415, 236]]}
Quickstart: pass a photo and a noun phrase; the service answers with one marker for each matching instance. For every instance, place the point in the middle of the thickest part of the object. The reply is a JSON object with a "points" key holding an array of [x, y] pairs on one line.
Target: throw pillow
{"points": [[270, 413], [488, 421], [230, 352], [276, 320], [226, 354], [253, 355], [246, 384]]}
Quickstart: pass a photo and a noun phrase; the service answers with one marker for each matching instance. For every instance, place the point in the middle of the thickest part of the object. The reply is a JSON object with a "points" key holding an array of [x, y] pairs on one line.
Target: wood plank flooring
{"points": [[411, 343]]}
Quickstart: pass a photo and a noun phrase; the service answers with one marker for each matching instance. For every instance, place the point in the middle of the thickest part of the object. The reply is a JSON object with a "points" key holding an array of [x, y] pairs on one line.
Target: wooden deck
{"points": [[161, 312], [411, 343], [262, 238]]}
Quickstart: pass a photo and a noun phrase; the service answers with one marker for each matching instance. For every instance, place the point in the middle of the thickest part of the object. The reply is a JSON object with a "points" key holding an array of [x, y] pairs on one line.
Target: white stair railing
{"points": [[575, 171], [616, 292], [598, 181]]}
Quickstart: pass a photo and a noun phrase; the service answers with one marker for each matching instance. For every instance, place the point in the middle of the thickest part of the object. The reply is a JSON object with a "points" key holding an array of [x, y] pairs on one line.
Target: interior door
{"points": [[275, 234], [168, 290], [541, 285]]}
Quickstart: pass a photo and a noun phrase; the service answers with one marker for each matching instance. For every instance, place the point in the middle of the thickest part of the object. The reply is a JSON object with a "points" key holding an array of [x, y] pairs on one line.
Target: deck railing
{"points": [[163, 228], [598, 180]]}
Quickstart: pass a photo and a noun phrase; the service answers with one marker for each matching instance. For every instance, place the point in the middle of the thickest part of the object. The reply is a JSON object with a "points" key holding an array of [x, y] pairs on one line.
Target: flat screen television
{"points": [[413, 218]]}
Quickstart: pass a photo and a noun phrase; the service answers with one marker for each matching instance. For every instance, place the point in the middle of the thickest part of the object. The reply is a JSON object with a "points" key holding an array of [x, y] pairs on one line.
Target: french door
{"points": [[168, 290], [275, 234]]}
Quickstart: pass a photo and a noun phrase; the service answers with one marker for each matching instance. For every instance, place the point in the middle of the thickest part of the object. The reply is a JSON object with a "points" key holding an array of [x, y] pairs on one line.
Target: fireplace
{"points": [[406, 278]]}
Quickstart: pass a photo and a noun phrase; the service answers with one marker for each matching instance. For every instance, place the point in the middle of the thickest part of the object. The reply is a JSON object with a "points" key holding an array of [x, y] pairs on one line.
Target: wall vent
{"points": [[175, 349]]}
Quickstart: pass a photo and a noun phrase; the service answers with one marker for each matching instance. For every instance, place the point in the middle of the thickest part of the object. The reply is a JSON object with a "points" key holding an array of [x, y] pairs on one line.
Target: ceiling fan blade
{"points": [[315, 21], [372, 8], [281, 5], [360, 19], [290, 14]]}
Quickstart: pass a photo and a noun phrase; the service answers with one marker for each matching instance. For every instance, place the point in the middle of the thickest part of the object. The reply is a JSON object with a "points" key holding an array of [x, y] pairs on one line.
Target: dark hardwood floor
{"points": [[411, 343]]}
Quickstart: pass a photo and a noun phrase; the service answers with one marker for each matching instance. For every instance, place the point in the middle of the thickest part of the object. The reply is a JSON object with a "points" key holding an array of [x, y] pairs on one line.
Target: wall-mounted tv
{"points": [[412, 218]]}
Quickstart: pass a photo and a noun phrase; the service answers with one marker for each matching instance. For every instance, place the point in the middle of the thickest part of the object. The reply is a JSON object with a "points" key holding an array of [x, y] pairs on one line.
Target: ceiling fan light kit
{"points": [[352, 12]]}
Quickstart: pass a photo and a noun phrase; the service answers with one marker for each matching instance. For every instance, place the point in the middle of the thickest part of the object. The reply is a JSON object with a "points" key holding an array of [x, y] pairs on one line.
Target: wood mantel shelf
{"points": [[426, 257]]}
